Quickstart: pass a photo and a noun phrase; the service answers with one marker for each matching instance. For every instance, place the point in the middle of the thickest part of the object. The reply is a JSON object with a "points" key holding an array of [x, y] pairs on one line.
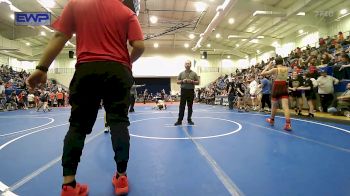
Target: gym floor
{"points": [[224, 153]]}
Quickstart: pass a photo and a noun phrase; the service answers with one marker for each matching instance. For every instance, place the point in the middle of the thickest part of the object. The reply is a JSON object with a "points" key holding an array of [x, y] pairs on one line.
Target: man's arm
{"points": [[344, 97], [344, 66], [179, 80], [53, 48], [335, 81], [138, 47], [195, 81], [137, 86], [266, 71]]}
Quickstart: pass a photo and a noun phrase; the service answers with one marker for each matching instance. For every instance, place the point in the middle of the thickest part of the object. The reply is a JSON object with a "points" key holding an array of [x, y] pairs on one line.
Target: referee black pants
{"points": [[187, 96], [326, 101], [266, 99], [93, 81], [132, 102]]}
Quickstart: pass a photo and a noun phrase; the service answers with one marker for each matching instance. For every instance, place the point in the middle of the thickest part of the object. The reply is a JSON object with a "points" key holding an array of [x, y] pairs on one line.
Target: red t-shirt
{"points": [[102, 29], [312, 69]]}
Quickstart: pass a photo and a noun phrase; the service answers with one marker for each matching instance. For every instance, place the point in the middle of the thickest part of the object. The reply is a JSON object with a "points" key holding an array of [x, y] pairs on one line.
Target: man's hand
{"points": [[187, 81], [36, 78], [343, 66]]}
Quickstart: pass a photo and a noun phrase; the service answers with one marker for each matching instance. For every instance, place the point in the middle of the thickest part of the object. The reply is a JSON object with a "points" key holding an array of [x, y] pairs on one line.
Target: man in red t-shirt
{"points": [[102, 29]]}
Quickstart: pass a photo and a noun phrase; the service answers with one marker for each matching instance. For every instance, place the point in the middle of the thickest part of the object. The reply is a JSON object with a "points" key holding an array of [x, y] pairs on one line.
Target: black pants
{"points": [[144, 99], [60, 102], [187, 96], [266, 99], [326, 101], [231, 98], [92, 82], [132, 102]]}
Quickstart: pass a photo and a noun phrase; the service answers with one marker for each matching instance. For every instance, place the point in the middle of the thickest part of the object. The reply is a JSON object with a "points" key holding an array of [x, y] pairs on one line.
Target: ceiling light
{"points": [[42, 33], [208, 45], [74, 34], [343, 11], [12, 16], [251, 29], [301, 14], [70, 43], [153, 19], [275, 44], [258, 51], [243, 40], [186, 45], [47, 28], [14, 9], [246, 56], [254, 41], [47, 3], [237, 45], [200, 6], [231, 20], [28, 44], [191, 36], [301, 31], [268, 13], [155, 45], [235, 36], [261, 37], [203, 57], [218, 35], [258, 12], [228, 56]]}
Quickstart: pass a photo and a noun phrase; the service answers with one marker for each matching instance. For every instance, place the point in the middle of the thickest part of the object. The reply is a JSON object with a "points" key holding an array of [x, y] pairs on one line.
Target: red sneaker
{"points": [[270, 121], [121, 186], [288, 127], [79, 190]]}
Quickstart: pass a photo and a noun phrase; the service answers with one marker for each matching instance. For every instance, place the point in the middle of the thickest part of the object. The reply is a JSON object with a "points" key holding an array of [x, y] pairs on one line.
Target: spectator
{"points": [[253, 91], [266, 93], [342, 69], [231, 93], [340, 37], [326, 89], [295, 95], [342, 103]]}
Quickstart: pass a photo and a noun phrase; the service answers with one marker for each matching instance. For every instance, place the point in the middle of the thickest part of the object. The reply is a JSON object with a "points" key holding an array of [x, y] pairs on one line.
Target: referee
{"points": [[187, 79]]}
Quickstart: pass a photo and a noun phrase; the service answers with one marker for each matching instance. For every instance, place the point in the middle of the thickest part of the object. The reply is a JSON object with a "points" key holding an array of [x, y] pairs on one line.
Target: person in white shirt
{"points": [[31, 100], [326, 89], [2, 87], [342, 102], [253, 87], [2, 95]]}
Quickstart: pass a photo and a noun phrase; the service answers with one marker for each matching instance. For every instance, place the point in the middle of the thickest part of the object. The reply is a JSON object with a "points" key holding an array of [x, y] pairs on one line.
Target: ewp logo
{"points": [[33, 18]]}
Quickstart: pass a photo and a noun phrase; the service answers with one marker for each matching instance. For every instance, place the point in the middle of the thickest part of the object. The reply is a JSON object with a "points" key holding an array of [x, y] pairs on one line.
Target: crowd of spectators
{"points": [[14, 94], [314, 71]]}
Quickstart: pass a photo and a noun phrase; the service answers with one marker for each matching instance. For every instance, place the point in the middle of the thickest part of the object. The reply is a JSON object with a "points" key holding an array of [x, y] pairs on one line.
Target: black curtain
{"points": [[153, 85]]}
